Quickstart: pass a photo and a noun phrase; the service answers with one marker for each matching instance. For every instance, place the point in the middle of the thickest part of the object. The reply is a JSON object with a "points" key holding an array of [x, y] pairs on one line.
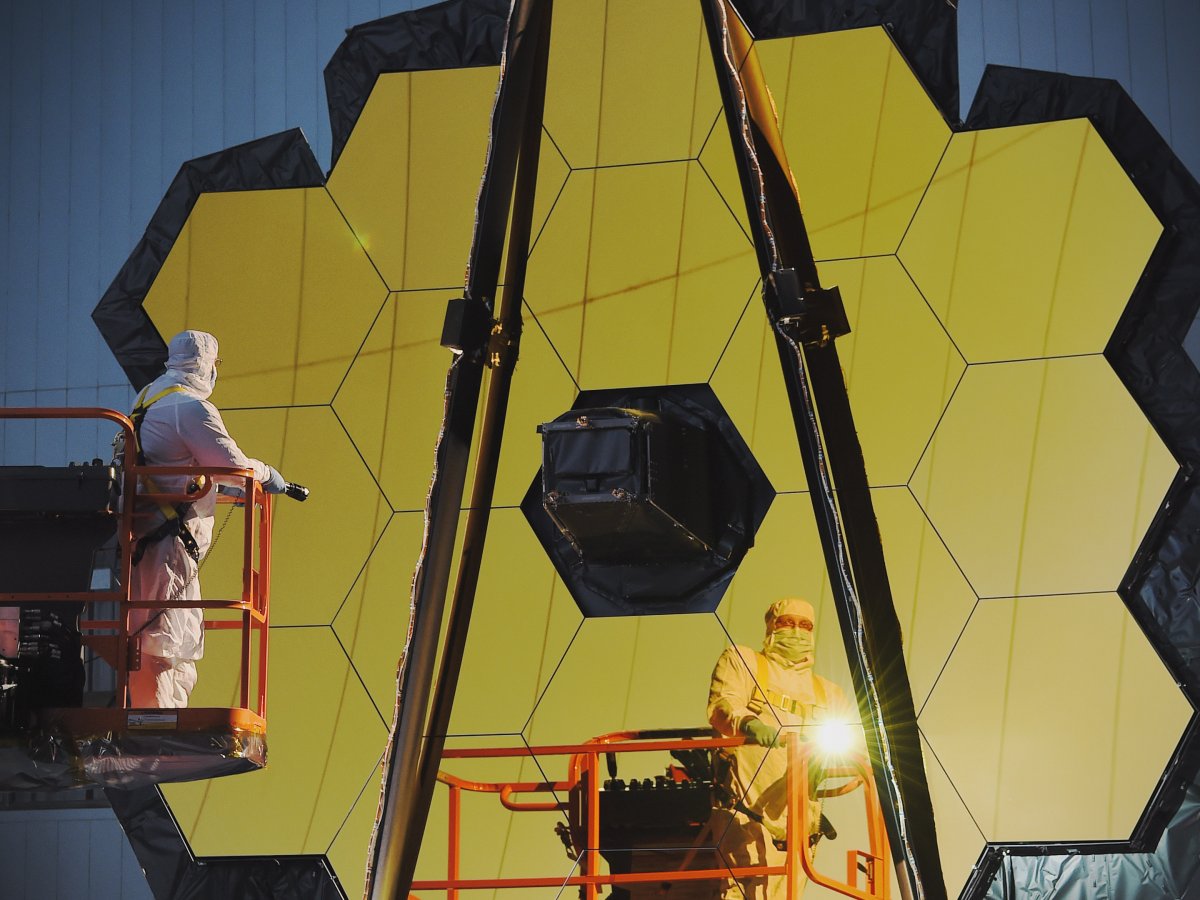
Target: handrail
{"points": [[644, 746], [805, 775], [68, 412], [800, 775], [507, 789], [135, 503], [197, 490]]}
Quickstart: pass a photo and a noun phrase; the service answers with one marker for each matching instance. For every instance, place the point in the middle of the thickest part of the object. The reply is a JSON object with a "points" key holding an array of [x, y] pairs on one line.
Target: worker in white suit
{"points": [[178, 426]]}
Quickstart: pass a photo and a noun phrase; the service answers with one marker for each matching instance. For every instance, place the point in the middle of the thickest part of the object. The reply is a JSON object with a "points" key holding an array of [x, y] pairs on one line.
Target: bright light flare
{"points": [[835, 738]]}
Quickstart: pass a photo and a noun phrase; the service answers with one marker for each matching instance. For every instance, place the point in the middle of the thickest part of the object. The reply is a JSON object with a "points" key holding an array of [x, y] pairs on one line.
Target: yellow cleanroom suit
{"points": [[753, 693]]}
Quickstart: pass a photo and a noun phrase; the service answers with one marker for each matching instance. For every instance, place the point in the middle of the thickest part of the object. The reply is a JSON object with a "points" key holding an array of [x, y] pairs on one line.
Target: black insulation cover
{"points": [[455, 34], [173, 872], [279, 161]]}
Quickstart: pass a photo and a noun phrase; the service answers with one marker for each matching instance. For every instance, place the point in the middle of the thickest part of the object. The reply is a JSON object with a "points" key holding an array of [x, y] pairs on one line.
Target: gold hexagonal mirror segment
{"points": [[348, 851], [373, 621], [960, 842], [933, 601], [284, 285], [629, 673], [324, 739], [408, 176], [523, 618], [1029, 241], [629, 82], [862, 136], [392, 399], [419, 146], [318, 547], [1043, 477], [900, 369], [640, 275], [1054, 719]]}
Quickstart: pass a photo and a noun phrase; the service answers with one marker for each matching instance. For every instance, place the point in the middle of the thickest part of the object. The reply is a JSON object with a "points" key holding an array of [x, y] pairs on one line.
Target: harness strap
{"points": [[764, 695], [173, 516], [173, 527], [139, 413]]}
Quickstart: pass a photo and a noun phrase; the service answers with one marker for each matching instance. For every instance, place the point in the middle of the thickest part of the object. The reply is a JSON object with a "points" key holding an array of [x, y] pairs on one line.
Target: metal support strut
{"points": [[806, 320], [415, 749]]}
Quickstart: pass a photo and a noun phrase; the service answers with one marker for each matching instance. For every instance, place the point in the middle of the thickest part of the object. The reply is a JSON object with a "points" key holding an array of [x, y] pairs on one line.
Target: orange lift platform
{"points": [[54, 747], [685, 862]]}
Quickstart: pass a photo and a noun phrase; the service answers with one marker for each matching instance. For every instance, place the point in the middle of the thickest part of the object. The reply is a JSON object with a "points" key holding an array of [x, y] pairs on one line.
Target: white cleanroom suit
{"points": [[181, 428], [754, 693]]}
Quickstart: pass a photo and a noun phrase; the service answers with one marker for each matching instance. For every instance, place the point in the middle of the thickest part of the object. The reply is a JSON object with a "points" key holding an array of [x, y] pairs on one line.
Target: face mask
{"points": [[212, 380], [793, 644]]}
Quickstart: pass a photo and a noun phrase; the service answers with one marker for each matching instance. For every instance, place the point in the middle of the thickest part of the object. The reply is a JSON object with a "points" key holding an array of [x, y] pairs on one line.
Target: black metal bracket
{"points": [[470, 329], [812, 316], [468, 325], [502, 343]]}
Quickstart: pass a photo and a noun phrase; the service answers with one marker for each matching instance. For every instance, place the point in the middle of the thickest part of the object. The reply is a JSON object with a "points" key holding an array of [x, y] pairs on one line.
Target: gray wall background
{"points": [[102, 100], [76, 853]]}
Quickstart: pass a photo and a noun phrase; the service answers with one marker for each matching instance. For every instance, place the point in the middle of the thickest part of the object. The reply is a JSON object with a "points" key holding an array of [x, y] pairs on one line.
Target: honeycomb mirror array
{"points": [[998, 470]]}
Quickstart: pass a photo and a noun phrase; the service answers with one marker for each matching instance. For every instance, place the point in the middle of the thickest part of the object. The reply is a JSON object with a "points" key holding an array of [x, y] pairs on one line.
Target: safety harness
{"points": [[174, 515], [764, 695], [758, 701]]}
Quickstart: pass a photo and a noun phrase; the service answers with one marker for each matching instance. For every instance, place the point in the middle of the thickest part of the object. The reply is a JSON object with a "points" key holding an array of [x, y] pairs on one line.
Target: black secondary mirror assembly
{"points": [[647, 500]]}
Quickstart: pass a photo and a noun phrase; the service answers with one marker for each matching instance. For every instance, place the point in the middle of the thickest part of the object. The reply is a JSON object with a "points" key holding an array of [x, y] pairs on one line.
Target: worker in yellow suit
{"points": [[758, 694]]}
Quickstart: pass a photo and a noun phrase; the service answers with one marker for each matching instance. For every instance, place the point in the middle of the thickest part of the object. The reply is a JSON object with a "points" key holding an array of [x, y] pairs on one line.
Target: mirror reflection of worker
{"points": [[755, 693], [177, 426]]}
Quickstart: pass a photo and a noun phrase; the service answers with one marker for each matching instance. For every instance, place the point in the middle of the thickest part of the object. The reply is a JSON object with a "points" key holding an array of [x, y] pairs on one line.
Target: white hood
{"points": [[192, 362]]}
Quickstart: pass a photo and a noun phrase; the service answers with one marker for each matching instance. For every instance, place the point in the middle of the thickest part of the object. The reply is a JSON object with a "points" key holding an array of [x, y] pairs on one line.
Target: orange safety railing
{"points": [[807, 779], [120, 650]]}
